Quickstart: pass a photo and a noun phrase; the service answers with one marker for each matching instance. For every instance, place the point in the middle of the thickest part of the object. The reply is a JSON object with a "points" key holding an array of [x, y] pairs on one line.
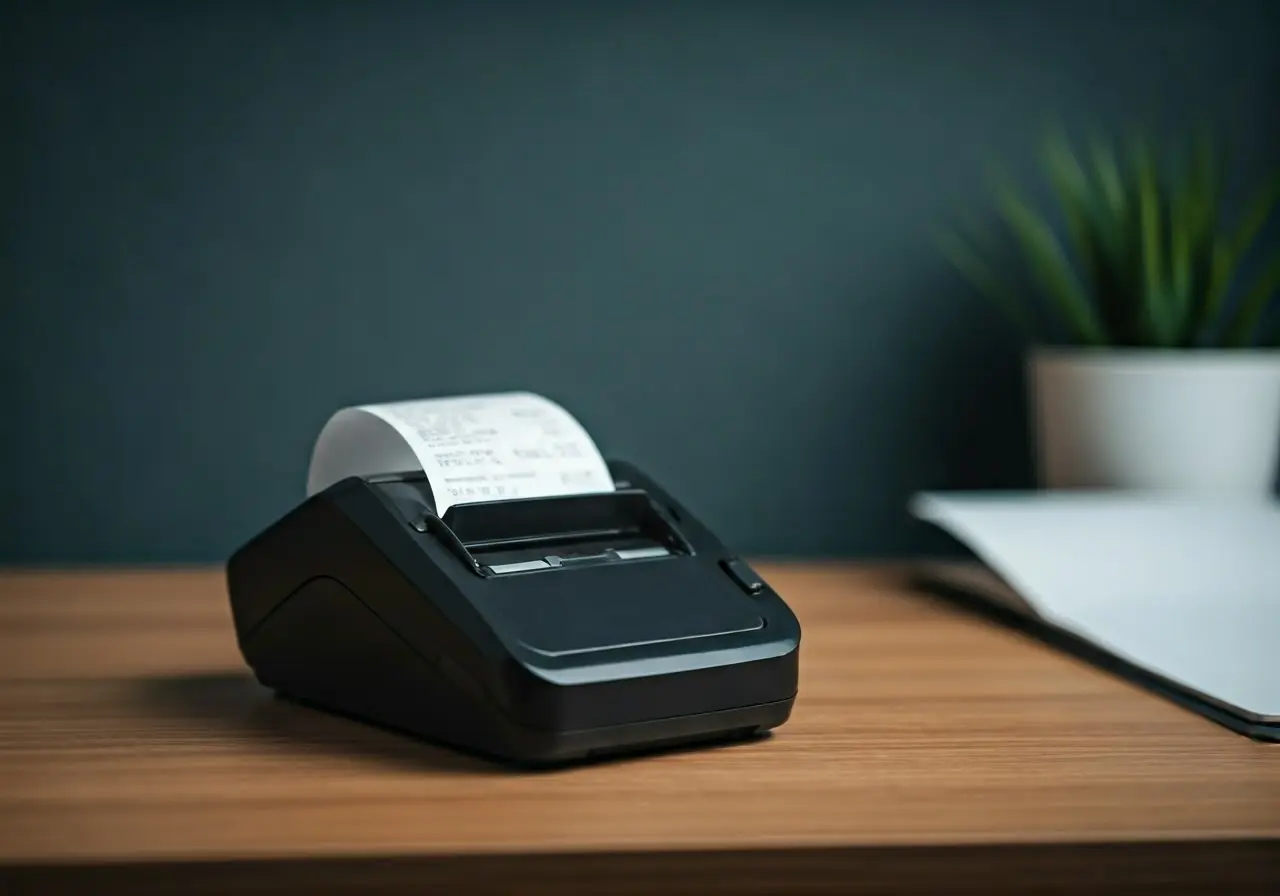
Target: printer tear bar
{"points": [[556, 562]]}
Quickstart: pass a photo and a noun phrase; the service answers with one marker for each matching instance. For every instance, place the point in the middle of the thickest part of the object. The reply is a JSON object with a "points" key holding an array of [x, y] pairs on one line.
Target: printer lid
{"points": [[574, 611], [578, 574]]}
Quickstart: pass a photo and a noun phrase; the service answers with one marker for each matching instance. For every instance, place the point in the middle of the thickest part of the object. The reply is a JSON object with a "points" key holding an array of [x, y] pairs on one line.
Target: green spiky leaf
{"points": [[1255, 217], [1071, 184], [1202, 199], [986, 281], [1253, 305], [1108, 173], [1050, 267]]}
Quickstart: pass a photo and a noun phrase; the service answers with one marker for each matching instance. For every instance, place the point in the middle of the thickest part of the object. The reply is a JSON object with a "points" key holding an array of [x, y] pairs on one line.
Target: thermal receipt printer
{"points": [[471, 570]]}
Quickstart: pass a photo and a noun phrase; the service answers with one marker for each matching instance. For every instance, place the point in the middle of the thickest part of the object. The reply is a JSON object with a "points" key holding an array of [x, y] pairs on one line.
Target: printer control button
{"points": [[744, 575]]}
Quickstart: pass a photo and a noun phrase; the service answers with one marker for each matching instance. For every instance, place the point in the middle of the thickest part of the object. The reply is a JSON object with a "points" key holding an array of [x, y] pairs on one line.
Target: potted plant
{"points": [[1155, 337]]}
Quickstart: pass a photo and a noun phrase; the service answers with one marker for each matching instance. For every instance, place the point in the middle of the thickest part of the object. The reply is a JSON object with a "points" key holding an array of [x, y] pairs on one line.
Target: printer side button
{"points": [[744, 575]]}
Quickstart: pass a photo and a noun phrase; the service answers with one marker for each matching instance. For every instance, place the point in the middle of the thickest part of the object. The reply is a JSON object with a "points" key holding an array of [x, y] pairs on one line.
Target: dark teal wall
{"points": [[704, 227]]}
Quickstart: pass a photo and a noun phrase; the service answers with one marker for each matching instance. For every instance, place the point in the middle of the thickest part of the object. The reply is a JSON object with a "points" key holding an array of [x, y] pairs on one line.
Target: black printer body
{"points": [[537, 631]]}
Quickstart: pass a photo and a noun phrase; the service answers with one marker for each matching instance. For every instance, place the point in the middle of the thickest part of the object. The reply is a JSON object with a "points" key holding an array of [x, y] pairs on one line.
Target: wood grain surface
{"points": [[927, 747]]}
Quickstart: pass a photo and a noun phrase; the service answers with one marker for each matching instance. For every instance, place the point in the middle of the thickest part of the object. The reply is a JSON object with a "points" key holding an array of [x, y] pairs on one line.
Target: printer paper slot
{"points": [[505, 537]]}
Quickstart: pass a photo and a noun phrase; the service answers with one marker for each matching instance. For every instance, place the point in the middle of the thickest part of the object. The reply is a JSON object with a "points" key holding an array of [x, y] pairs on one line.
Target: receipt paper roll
{"points": [[471, 448]]}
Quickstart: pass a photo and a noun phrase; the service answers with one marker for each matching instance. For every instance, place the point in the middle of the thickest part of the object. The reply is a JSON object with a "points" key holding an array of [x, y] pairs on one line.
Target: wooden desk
{"points": [[927, 749]]}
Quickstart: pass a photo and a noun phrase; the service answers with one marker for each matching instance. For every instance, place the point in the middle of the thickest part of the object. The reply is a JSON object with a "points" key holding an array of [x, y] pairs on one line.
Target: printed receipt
{"points": [[471, 448]]}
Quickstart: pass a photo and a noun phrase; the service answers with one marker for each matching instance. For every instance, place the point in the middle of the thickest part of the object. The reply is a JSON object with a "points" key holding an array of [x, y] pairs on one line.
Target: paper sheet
{"points": [[471, 448], [1186, 587]]}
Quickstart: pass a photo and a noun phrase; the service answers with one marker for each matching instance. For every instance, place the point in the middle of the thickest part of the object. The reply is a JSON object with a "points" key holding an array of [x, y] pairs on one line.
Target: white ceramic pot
{"points": [[1199, 421]]}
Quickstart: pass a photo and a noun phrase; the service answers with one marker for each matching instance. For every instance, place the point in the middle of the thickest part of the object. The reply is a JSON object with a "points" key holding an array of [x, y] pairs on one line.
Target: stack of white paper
{"points": [[1185, 587]]}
